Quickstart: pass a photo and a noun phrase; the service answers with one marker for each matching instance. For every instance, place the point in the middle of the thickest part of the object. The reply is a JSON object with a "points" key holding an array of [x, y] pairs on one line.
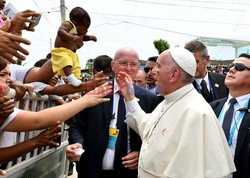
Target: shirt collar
{"points": [[241, 100]]}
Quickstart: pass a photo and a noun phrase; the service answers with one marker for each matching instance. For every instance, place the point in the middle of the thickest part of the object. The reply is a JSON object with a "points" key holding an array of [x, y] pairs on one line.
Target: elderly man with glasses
{"points": [[111, 147], [234, 114]]}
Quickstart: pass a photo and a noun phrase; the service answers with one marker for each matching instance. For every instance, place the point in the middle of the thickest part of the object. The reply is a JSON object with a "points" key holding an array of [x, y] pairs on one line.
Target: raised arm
{"points": [[46, 118], [126, 86]]}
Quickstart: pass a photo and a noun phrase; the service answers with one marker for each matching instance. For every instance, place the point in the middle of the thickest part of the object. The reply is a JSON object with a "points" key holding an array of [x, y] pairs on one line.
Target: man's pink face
{"points": [[201, 65], [129, 65], [162, 73]]}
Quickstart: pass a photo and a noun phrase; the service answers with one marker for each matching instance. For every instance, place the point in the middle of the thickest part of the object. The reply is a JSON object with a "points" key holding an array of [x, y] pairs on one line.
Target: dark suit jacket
{"points": [[242, 152], [91, 129], [219, 88]]}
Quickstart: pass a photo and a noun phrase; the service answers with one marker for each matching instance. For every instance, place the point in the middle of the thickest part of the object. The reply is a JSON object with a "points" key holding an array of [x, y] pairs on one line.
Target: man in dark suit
{"points": [[210, 85], [111, 148], [237, 124]]}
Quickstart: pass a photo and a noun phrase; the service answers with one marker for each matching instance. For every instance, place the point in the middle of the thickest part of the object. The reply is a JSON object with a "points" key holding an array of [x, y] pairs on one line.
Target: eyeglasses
{"points": [[238, 66], [147, 69], [126, 64]]}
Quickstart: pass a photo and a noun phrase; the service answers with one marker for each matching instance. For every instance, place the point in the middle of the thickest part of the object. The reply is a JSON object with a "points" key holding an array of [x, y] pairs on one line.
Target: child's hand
{"points": [[93, 38], [89, 38]]}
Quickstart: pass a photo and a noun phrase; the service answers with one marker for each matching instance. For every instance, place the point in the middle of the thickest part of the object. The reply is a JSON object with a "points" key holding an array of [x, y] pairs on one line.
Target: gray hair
{"points": [[197, 46]]}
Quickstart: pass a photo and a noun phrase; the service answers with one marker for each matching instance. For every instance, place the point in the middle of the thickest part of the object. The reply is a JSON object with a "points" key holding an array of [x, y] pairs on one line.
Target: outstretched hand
{"points": [[9, 46], [18, 22], [49, 136], [95, 96], [126, 85], [96, 81], [21, 89]]}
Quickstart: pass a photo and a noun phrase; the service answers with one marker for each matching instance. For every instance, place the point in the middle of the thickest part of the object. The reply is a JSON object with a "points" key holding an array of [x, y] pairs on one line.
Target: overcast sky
{"points": [[137, 23]]}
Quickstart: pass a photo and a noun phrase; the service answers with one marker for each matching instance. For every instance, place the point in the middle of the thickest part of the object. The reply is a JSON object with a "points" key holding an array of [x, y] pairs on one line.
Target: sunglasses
{"points": [[238, 66], [147, 69]]}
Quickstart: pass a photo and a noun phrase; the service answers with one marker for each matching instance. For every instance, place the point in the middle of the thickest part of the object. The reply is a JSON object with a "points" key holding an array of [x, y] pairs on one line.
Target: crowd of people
{"points": [[171, 118]]}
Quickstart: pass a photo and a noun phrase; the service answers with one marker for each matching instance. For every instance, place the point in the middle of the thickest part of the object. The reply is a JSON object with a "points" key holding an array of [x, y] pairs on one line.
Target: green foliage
{"points": [[89, 66], [161, 45]]}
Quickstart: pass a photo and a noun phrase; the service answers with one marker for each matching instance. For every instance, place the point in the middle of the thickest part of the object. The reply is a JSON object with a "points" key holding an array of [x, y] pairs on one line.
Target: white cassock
{"points": [[181, 138]]}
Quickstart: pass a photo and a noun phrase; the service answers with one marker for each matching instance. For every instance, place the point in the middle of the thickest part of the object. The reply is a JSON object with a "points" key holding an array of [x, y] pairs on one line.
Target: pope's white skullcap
{"points": [[185, 59]]}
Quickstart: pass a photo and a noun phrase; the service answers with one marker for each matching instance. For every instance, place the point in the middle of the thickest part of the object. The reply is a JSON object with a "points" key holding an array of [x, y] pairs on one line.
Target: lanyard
{"points": [[239, 118]]}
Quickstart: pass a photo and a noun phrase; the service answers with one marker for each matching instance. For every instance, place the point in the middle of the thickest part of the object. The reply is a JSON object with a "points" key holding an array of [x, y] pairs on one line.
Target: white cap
{"points": [[185, 59]]}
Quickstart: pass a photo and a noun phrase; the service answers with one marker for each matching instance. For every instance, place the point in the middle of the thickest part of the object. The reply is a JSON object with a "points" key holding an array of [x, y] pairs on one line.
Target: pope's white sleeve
{"points": [[134, 116]]}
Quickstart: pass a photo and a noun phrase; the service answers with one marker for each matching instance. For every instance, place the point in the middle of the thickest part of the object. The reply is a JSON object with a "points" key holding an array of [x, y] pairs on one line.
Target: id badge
{"points": [[113, 134]]}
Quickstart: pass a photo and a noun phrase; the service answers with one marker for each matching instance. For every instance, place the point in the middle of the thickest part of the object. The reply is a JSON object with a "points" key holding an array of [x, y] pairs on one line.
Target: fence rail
{"points": [[41, 162]]}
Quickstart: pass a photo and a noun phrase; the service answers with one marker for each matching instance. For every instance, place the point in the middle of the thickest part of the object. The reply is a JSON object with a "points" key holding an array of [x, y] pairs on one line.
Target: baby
{"points": [[70, 37]]}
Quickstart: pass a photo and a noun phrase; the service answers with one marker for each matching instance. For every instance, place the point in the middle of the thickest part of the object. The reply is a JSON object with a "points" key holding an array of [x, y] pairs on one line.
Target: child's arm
{"points": [[63, 32], [89, 38]]}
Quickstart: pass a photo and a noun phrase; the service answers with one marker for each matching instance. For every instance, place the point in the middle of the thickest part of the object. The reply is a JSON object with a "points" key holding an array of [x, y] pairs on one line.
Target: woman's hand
{"points": [[95, 96]]}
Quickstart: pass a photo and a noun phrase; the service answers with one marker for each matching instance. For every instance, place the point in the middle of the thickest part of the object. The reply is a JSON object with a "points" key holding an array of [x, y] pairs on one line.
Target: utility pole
{"points": [[63, 10]]}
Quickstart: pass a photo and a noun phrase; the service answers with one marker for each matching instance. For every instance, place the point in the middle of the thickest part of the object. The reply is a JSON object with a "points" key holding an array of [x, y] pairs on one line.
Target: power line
{"points": [[147, 26], [44, 15], [172, 19], [217, 2], [183, 5]]}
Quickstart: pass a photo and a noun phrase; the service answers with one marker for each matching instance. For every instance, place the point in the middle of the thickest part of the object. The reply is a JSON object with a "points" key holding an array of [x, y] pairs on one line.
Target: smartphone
{"points": [[36, 19]]}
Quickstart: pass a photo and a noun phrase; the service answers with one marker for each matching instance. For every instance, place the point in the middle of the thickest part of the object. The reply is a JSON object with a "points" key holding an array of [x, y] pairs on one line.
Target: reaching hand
{"points": [[95, 96], [49, 136], [96, 81], [21, 89], [89, 38], [18, 22], [9, 46], [126, 85]]}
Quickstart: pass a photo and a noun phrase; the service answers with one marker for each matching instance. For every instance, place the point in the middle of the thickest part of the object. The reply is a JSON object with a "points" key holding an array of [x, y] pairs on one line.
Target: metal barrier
{"points": [[41, 162]]}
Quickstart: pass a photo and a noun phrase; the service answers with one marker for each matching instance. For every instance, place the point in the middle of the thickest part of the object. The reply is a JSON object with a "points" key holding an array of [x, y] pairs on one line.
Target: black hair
{"points": [[245, 55], [103, 63], [153, 58], [40, 62], [80, 16], [48, 56], [3, 64]]}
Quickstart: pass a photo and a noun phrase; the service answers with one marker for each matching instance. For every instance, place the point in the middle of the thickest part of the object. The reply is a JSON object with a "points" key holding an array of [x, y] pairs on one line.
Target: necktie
{"points": [[121, 143], [228, 118], [204, 91]]}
